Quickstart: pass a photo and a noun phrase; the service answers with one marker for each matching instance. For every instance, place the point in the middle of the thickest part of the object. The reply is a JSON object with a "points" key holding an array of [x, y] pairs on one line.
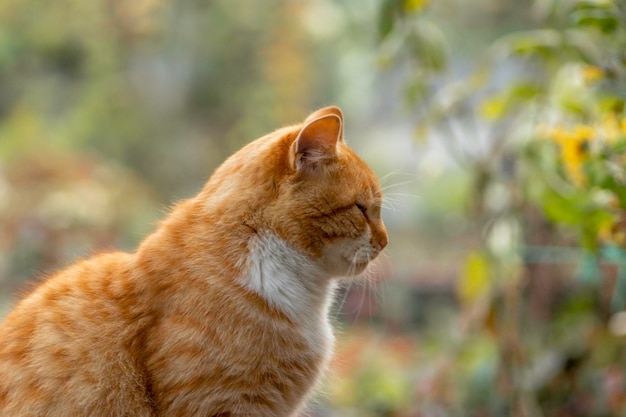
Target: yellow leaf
{"points": [[592, 73], [611, 127], [475, 281], [493, 108], [413, 5]]}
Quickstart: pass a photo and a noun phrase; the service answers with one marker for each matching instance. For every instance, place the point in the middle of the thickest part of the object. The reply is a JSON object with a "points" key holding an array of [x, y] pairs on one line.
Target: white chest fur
{"points": [[291, 282]]}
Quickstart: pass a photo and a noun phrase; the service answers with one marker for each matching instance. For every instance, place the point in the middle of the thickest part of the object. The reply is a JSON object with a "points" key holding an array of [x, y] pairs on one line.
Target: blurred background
{"points": [[497, 127]]}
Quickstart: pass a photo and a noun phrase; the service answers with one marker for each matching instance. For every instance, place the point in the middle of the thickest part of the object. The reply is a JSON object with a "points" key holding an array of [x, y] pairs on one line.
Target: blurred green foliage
{"points": [[110, 109], [128, 79], [538, 124], [509, 270]]}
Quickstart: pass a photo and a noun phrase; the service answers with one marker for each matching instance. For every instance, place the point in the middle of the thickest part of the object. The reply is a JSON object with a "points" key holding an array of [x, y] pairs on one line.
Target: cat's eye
{"points": [[361, 207]]}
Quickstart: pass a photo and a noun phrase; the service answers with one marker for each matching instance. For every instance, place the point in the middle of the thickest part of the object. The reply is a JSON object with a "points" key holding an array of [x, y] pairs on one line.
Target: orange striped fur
{"points": [[223, 310]]}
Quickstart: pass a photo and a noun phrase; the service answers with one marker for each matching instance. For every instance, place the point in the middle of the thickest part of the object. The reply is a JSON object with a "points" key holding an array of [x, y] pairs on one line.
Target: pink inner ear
{"points": [[318, 140]]}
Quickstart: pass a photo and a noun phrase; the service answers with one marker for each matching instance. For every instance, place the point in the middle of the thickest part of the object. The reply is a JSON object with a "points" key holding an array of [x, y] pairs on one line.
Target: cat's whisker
{"points": [[352, 283], [398, 184], [396, 173], [382, 263], [390, 205], [346, 288], [365, 293], [404, 195], [364, 283], [370, 290], [391, 174], [369, 293]]}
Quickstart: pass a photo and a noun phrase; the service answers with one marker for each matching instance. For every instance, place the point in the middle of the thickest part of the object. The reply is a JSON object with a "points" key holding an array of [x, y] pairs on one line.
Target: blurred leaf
{"points": [[516, 95], [570, 93], [611, 104], [416, 90], [568, 209], [427, 44], [602, 18], [389, 11], [540, 42], [580, 211], [585, 45], [494, 107], [475, 281], [415, 5]]}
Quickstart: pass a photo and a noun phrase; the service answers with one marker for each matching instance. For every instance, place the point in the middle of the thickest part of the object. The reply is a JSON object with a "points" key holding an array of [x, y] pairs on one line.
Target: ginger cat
{"points": [[223, 310]]}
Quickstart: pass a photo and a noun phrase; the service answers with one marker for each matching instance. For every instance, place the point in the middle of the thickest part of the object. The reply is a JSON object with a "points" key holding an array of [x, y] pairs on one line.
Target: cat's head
{"points": [[306, 186], [328, 201]]}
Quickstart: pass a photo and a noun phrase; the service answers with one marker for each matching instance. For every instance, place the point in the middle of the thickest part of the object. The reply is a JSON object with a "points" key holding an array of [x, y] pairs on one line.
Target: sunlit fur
{"points": [[222, 311]]}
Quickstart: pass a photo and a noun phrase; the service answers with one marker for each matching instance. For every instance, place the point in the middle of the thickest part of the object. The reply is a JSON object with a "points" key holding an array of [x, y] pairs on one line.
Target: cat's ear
{"points": [[316, 142], [325, 111]]}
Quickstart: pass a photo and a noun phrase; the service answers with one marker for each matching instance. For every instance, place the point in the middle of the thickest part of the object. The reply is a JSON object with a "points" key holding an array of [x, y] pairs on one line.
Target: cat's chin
{"points": [[357, 268], [341, 260], [350, 268]]}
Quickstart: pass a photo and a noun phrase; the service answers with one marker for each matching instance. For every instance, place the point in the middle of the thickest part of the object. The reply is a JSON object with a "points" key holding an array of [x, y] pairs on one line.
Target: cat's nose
{"points": [[380, 239], [383, 241]]}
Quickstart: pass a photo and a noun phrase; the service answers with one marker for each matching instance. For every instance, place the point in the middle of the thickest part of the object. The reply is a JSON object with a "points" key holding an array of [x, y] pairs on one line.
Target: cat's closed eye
{"points": [[361, 207]]}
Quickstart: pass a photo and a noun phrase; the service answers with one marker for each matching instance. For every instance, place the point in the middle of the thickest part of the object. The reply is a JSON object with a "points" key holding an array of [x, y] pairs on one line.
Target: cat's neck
{"points": [[286, 279], [259, 261]]}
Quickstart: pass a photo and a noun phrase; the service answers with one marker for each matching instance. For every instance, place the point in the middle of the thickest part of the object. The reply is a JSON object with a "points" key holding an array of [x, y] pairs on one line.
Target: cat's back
{"points": [[66, 336], [77, 291]]}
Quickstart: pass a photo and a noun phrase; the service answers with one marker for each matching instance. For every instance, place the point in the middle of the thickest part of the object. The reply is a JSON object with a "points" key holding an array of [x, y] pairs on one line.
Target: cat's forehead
{"points": [[359, 179], [358, 169]]}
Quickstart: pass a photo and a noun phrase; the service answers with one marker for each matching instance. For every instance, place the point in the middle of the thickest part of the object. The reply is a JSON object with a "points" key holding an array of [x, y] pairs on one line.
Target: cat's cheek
{"points": [[342, 258]]}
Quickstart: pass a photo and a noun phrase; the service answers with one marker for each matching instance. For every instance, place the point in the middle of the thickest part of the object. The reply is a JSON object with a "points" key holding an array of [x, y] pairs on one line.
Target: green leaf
{"points": [[518, 94], [601, 18], [428, 46], [585, 45], [390, 10], [416, 89], [540, 42], [561, 209]]}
